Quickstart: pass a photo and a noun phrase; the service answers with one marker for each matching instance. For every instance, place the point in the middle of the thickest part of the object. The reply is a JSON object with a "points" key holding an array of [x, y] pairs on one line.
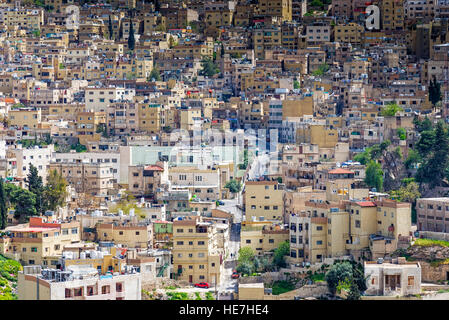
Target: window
{"points": [[319, 242], [68, 293], [34, 249], [74, 230], [318, 228], [357, 223], [180, 230], [248, 241], [119, 287], [180, 243], [411, 280], [105, 289], [201, 243], [137, 233]]}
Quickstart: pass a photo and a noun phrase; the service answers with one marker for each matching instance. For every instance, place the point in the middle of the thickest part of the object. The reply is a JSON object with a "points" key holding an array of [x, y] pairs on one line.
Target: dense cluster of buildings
{"points": [[150, 109]]}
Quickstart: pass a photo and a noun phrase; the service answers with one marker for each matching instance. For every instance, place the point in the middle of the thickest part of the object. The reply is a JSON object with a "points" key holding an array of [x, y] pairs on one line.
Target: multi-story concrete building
{"points": [[282, 9], [432, 214], [39, 157], [264, 200], [333, 229], [33, 243], [94, 179], [263, 239], [129, 235], [199, 249], [77, 284], [98, 99], [204, 183]]}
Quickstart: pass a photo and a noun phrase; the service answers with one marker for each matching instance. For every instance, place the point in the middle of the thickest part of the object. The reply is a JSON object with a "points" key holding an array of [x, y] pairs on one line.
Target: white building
{"points": [[99, 99], [392, 279], [40, 157], [113, 159]]}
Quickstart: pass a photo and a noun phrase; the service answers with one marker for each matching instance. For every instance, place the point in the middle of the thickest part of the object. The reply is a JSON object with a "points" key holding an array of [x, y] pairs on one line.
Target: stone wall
{"points": [[434, 235], [315, 290], [433, 274], [267, 277], [160, 283]]}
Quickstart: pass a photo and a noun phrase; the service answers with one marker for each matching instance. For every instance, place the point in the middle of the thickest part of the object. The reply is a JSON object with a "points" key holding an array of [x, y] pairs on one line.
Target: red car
{"points": [[202, 285]]}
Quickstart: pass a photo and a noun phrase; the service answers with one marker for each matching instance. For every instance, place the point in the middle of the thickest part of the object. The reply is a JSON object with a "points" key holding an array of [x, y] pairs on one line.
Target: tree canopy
{"points": [[233, 185], [209, 68], [391, 109], [374, 175]]}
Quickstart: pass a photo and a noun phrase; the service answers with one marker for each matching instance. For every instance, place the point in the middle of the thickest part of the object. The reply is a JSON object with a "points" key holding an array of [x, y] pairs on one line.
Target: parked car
{"points": [[235, 275], [202, 285]]}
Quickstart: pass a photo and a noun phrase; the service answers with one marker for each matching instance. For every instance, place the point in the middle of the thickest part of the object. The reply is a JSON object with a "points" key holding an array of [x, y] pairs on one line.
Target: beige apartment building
{"points": [[94, 179], [32, 243], [144, 180], [264, 200], [129, 235], [263, 239], [199, 249], [433, 214], [332, 229], [25, 118], [204, 183]]}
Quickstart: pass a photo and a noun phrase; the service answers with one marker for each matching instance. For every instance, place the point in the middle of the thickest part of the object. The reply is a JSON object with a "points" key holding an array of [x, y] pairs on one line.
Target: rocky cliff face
{"points": [[428, 253]]}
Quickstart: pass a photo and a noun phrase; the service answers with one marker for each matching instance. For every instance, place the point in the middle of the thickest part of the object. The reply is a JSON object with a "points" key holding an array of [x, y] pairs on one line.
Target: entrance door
{"points": [[190, 278]]}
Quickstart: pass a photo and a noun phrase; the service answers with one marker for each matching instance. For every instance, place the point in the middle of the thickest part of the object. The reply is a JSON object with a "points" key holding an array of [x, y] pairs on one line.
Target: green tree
{"points": [[246, 254], [36, 186], [111, 31], [154, 74], [171, 42], [425, 143], [413, 158], [424, 125], [11, 193], [434, 91], [409, 192], [434, 167], [55, 191], [296, 84], [245, 268], [3, 209], [131, 39], [280, 253], [354, 292], [209, 68], [322, 69], [374, 176], [363, 157], [391, 109], [233, 185], [339, 272], [25, 206], [402, 133]]}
